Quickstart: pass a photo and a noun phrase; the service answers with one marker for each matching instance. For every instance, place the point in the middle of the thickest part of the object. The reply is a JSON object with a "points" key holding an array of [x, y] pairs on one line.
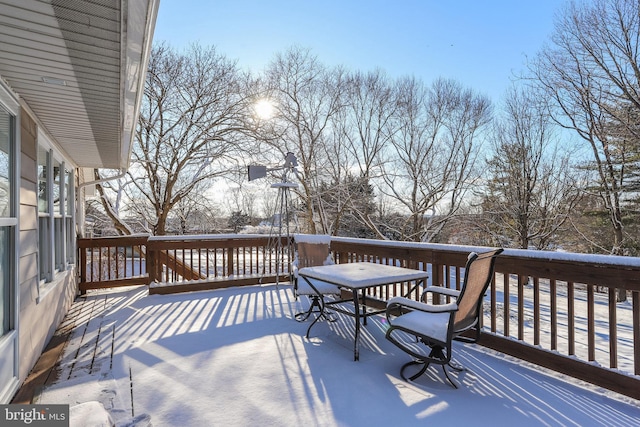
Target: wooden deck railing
{"points": [[556, 310], [171, 264], [109, 262], [191, 263]]}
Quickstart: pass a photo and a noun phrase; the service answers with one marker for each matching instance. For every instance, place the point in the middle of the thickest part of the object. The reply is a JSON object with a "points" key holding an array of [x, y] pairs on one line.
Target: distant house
{"points": [[71, 77]]}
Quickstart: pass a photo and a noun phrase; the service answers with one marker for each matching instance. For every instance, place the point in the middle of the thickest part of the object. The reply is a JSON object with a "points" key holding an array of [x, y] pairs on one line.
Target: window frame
{"points": [[56, 249], [45, 233], [12, 222]]}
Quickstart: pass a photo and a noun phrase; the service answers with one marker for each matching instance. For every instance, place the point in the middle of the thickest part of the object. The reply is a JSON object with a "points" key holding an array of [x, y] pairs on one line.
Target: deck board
{"points": [[82, 343]]}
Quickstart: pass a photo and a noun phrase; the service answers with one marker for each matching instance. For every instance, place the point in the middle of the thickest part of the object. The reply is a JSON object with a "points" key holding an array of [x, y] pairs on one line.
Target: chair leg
{"points": [[313, 323], [415, 376], [456, 366], [304, 315], [322, 313], [315, 302], [422, 370], [446, 374], [435, 354]]}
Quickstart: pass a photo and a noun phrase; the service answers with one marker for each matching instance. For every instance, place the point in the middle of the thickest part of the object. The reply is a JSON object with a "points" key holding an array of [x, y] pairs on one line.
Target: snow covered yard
{"points": [[237, 357]]}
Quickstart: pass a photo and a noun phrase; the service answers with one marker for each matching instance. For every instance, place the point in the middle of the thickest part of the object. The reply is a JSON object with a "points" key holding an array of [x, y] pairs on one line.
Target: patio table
{"points": [[357, 277]]}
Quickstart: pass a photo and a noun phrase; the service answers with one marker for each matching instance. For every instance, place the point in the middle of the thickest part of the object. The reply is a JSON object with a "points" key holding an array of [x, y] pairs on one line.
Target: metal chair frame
{"points": [[427, 321], [313, 251]]}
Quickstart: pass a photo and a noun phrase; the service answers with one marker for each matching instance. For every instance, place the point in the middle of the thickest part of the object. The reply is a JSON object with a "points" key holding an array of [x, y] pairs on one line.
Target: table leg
{"points": [[364, 306], [356, 304]]}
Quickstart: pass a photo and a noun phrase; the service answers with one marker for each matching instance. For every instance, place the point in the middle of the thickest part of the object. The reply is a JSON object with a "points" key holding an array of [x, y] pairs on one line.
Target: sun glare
{"points": [[264, 109]]}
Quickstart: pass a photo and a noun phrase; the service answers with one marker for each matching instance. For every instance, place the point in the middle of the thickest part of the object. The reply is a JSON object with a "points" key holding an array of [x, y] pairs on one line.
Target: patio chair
{"points": [[425, 331], [312, 251]]}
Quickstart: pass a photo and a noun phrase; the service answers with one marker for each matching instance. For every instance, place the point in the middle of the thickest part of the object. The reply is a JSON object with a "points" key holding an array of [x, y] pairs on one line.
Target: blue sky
{"points": [[481, 44]]}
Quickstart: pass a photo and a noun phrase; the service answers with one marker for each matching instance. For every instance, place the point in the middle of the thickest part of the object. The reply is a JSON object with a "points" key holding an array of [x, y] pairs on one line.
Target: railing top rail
{"points": [[191, 237], [128, 236], [572, 257], [93, 242], [534, 255]]}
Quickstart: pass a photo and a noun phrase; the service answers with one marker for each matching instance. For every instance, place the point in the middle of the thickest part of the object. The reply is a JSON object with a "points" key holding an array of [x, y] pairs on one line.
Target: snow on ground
{"points": [[236, 357]]}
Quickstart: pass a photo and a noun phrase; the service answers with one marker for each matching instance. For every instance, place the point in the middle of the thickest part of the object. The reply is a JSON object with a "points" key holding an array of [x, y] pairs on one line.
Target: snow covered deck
{"points": [[237, 357]]}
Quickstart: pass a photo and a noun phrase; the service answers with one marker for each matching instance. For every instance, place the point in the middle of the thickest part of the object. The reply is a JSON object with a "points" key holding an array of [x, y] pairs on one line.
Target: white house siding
{"points": [[41, 308]]}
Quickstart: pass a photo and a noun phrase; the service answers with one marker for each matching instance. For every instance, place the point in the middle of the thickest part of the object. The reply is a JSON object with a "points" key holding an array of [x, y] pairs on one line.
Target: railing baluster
{"points": [[182, 268], [100, 265], [493, 302], [108, 272], [571, 318], [553, 294], [591, 324], [207, 262], [118, 262], [507, 303], [536, 311], [613, 329], [91, 265], [635, 300], [215, 260], [244, 260], [521, 280]]}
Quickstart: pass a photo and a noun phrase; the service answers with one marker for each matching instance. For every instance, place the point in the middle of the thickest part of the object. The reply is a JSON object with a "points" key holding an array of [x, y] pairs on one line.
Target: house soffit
{"points": [[78, 66]]}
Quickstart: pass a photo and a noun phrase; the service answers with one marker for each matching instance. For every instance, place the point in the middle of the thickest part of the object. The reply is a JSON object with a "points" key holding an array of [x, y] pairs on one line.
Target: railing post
{"points": [[436, 271], [230, 261], [82, 259], [152, 264]]}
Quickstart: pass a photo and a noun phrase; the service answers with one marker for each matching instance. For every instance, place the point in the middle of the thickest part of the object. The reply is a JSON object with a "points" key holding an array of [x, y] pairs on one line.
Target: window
{"points": [[69, 216], [8, 219], [5, 282], [58, 216], [44, 214], [55, 214]]}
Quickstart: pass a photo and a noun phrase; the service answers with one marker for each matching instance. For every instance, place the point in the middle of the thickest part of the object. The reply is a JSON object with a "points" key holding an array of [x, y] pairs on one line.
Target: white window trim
{"points": [[11, 103], [57, 275]]}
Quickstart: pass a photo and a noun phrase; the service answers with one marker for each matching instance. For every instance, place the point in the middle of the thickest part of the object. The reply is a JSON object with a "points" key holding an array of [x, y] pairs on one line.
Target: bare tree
{"points": [[242, 199], [363, 131], [112, 203], [195, 214], [532, 188], [434, 153], [190, 129], [306, 95], [589, 71]]}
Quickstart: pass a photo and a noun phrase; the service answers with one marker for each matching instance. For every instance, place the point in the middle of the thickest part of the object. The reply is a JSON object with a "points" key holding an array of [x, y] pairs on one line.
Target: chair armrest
{"points": [[417, 305], [440, 290]]}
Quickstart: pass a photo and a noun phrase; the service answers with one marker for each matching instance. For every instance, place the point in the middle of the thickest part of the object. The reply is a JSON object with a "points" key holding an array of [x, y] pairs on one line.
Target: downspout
{"points": [[122, 173]]}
